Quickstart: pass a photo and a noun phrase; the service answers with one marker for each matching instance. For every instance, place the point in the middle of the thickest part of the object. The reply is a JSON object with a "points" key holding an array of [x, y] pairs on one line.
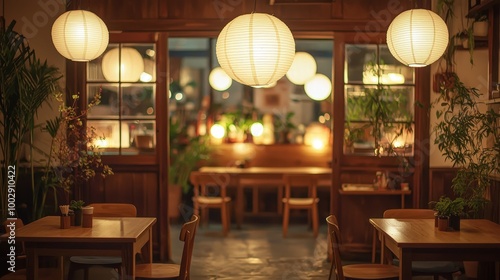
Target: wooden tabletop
{"points": [[266, 170], [103, 230], [474, 233]]}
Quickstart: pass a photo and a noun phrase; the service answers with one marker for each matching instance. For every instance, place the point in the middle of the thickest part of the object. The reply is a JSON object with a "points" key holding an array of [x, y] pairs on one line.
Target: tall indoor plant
{"points": [[469, 137], [25, 85]]}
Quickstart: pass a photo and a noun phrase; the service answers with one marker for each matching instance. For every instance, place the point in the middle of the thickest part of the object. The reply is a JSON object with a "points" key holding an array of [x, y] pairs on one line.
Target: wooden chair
{"points": [[210, 192], [86, 262], [355, 271], [173, 271], [309, 202], [444, 269]]}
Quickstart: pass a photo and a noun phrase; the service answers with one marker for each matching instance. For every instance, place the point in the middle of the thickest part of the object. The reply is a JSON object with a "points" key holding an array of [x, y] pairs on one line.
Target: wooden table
{"points": [[418, 240], [270, 174], [123, 237]]}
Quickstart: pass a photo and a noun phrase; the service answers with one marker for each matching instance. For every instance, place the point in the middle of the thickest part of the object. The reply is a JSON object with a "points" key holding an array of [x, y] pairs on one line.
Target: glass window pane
{"points": [[138, 100], [126, 63], [357, 59], [108, 107]]}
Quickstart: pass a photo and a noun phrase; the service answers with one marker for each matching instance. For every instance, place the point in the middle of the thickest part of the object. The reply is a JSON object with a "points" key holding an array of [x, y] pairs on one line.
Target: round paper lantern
{"points": [[219, 80], [255, 49], [303, 68], [80, 35], [319, 87], [417, 37], [128, 69]]}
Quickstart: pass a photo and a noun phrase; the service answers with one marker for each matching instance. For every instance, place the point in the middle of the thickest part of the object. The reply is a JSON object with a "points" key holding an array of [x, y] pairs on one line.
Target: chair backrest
{"points": [[187, 235], [301, 180], [114, 210], [209, 184], [334, 233], [409, 213]]}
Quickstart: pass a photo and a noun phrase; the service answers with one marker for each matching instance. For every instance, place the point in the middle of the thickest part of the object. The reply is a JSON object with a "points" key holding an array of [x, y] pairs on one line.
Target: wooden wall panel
{"points": [[118, 9], [138, 188], [288, 155]]}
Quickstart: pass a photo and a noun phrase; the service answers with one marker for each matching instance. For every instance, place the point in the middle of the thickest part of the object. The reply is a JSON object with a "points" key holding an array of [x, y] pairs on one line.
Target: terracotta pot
{"points": [[443, 223]]}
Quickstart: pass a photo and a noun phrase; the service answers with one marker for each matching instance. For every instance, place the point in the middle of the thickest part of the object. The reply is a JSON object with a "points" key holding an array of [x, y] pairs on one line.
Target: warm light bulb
{"points": [[217, 131], [257, 129]]}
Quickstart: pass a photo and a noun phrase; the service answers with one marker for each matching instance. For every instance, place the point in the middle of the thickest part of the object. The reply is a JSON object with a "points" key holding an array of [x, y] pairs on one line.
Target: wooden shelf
{"points": [[482, 7]]}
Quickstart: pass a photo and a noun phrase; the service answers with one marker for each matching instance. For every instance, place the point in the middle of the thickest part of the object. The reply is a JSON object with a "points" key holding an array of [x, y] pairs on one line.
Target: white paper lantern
{"points": [[303, 68], [128, 69], [417, 37], [219, 80], [319, 87], [80, 35], [255, 49]]}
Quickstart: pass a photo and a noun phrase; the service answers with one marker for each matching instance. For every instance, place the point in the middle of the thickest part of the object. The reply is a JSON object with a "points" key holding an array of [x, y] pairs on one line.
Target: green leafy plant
{"points": [[446, 207], [186, 153], [26, 83], [76, 205], [469, 137], [73, 157], [384, 109]]}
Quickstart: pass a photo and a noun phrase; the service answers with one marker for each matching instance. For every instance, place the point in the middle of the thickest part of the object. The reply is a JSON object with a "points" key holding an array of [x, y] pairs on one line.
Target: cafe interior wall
{"points": [[34, 20], [475, 75]]}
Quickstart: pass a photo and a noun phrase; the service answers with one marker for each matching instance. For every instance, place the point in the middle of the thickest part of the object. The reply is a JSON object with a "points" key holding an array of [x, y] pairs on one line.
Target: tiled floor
{"points": [[256, 252]]}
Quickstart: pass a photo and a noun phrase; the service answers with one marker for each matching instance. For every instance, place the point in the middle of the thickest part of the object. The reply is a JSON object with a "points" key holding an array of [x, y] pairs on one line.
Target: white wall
{"points": [[475, 75], [34, 20]]}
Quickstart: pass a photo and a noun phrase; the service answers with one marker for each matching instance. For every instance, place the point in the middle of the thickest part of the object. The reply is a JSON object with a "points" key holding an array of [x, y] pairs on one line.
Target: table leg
{"points": [[405, 265], [31, 264], [128, 261], [147, 249], [239, 205]]}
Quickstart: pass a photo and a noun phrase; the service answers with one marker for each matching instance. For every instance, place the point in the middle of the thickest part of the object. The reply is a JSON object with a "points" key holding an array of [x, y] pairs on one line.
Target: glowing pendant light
{"points": [[219, 80], [417, 37], [255, 49], [80, 35], [127, 69], [319, 87], [303, 68]]}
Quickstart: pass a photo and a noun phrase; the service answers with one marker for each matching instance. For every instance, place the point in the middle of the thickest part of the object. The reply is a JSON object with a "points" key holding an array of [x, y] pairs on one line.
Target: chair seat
{"points": [[157, 271], [370, 271], [95, 260], [212, 200], [301, 201], [432, 266], [43, 273]]}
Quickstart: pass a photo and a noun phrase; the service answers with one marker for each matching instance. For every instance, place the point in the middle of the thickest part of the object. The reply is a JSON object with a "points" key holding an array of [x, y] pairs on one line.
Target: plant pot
{"points": [[480, 28], [454, 222], [443, 223], [78, 217]]}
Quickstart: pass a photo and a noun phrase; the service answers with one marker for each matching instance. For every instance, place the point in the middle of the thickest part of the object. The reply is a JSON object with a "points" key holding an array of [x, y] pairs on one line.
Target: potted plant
{"points": [[470, 138], [76, 206], [480, 25], [186, 153], [448, 212]]}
